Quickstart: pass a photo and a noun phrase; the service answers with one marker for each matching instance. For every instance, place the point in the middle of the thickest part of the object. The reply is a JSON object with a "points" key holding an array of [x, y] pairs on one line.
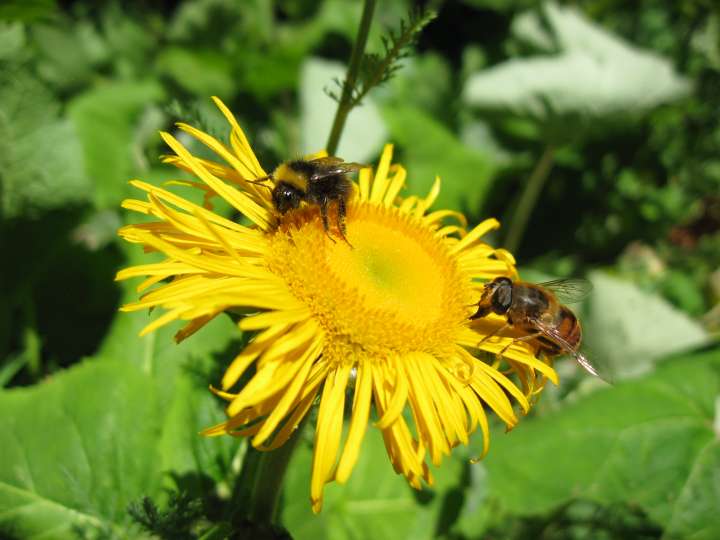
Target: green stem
{"points": [[529, 198], [264, 472], [345, 104]]}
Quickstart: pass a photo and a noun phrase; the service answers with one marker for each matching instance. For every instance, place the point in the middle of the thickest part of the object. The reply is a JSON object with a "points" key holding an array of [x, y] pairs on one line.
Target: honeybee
{"points": [[319, 182], [536, 311]]}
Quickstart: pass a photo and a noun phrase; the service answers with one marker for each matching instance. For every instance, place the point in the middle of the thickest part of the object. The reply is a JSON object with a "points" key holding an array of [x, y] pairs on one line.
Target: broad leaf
{"points": [[594, 76], [646, 443], [630, 329], [40, 155], [77, 450], [106, 120]]}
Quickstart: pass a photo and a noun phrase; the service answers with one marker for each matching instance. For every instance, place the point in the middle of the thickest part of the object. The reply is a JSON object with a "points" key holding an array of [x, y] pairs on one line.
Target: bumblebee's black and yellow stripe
{"points": [[318, 182]]}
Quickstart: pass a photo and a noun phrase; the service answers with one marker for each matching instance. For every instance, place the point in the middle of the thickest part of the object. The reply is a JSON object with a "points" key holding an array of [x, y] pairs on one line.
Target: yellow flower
{"points": [[383, 324]]}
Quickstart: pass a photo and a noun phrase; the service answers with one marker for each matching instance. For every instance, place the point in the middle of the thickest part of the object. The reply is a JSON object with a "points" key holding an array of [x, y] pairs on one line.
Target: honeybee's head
{"points": [[286, 196], [496, 298]]}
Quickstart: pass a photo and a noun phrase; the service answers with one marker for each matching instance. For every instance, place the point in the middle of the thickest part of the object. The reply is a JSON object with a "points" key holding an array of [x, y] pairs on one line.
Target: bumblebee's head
{"points": [[286, 197], [496, 298]]}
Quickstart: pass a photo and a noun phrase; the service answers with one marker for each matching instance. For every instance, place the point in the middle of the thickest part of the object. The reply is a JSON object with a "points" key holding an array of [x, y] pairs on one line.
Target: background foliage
{"points": [[93, 419]]}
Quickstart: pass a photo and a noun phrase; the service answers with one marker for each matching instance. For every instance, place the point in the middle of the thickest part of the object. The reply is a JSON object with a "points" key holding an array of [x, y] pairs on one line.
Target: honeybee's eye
{"points": [[502, 296]]}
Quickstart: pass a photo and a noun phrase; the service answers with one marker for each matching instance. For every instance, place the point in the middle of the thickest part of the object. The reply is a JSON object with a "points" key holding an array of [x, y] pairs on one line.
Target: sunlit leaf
{"points": [[647, 444], [429, 149], [105, 119], [631, 329], [594, 76]]}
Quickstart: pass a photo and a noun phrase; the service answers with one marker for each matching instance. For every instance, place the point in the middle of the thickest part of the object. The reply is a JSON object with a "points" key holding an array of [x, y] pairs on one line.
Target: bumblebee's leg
{"points": [[529, 337], [324, 215], [341, 213]]}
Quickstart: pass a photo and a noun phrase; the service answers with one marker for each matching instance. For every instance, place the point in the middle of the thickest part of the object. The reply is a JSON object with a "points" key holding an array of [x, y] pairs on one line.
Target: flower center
{"points": [[396, 290]]}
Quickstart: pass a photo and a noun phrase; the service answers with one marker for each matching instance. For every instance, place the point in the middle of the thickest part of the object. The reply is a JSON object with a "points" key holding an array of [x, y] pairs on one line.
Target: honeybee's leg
{"points": [[528, 337], [341, 213], [498, 330], [324, 215]]}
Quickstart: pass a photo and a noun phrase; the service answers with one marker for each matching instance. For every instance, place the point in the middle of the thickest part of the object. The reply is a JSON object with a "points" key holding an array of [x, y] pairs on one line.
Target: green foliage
{"points": [[646, 329], [40, 156], [365, 129], [375, 503], [593, 80], [175, 522], [431, 150], [649, 444], [106, 119], [376, 69], [94, 419]]}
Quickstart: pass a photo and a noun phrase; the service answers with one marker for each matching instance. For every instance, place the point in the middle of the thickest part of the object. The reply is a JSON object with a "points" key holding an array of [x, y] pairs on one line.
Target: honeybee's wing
{"points": [[553, 335], [332, 166], [570, 290]]}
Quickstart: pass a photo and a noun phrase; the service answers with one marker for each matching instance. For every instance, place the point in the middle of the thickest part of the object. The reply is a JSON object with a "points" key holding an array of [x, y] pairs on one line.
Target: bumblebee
{"points": [[319, 182], [535, 310]]}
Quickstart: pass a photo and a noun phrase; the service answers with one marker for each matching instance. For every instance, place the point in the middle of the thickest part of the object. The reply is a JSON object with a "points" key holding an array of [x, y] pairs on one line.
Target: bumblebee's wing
{"points": [[570, 290], [332, 166], [553, 335]]}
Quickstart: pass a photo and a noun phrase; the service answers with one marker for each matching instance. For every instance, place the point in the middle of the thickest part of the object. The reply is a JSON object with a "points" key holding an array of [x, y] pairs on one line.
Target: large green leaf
{"points": [[79, 448], [375, 503], [648, 443], [429, 149], [595, 76], [629, 329], [40, 155], [106, 120]]}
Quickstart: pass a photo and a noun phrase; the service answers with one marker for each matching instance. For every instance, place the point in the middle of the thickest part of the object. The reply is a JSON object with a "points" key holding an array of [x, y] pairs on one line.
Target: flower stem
{"points": [[346, 101], [264, 472], [529, 198]]}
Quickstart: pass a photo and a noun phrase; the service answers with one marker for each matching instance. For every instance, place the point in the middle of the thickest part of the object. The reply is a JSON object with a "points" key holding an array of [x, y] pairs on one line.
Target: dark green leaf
{"points": [[26, 10], [647, 443]]}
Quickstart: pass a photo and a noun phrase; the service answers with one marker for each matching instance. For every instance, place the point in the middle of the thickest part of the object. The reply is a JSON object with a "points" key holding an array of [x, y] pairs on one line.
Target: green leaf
{"points": [[364, 131], [40, 155], [26, 10], [375, 503], [630, 329], [66, 52], [595, 77], [429, 149], [12, 40], [77, 450], [201, 72], [646, 443], [106, 119], [122, 427]]}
